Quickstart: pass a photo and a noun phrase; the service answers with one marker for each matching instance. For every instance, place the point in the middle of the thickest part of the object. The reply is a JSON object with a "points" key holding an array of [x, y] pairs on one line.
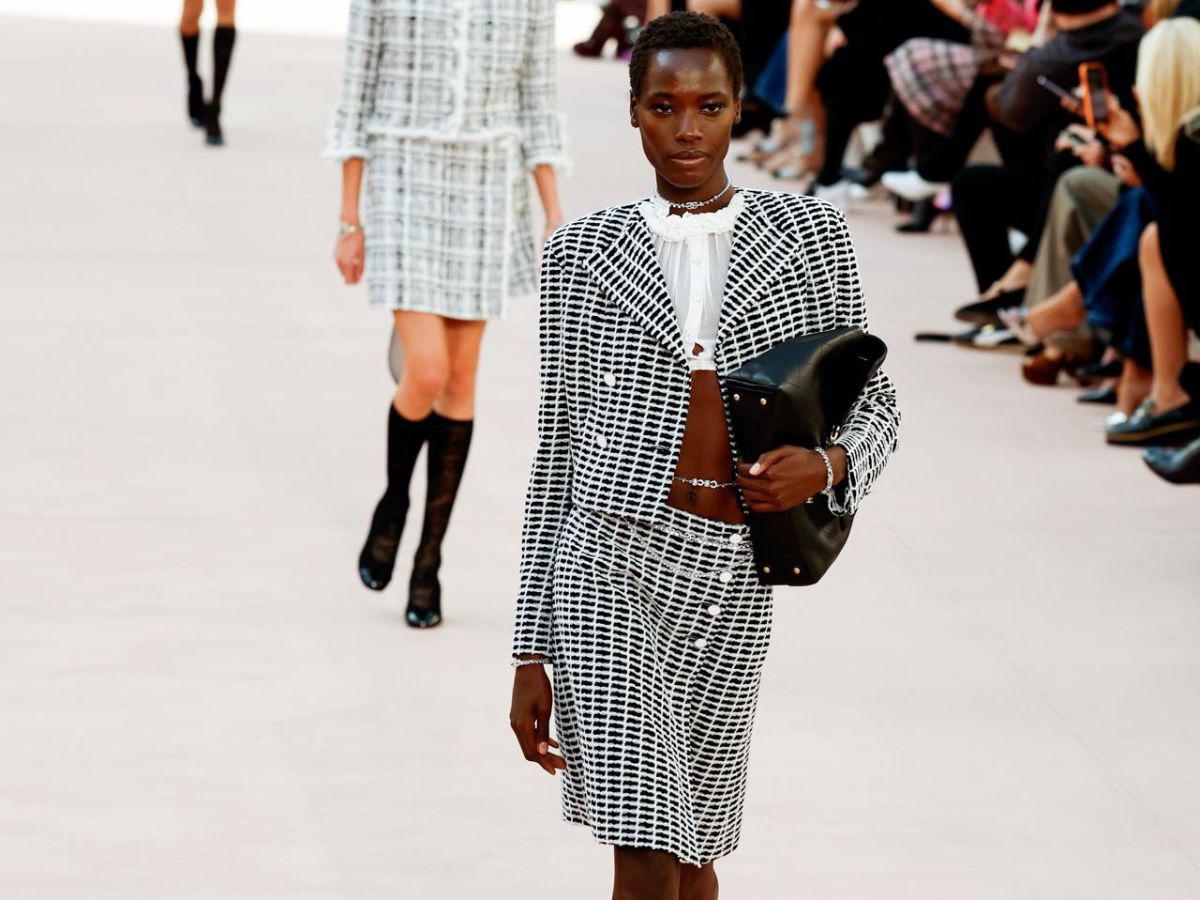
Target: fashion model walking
{"points": [[448, 105], [207, 114], [637, 579]]}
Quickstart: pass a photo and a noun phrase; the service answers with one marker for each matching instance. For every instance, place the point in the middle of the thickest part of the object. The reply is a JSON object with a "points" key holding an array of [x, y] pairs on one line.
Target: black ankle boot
{"points": [[449, 441], [223, 39], [378, 556], [195, 97]]}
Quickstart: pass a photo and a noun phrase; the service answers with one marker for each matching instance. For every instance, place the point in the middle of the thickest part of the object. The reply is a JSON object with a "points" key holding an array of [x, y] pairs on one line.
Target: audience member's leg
{"points": [[1082, 197], [1061, 312], [1047, 180], [1133, 387], [806, 52], [1164, 322], [852, 94], [941, 157], [988, 200]]}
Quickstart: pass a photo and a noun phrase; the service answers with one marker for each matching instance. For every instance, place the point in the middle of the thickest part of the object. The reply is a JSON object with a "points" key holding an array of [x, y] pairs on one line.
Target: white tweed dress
{"points": [[452, 103]]}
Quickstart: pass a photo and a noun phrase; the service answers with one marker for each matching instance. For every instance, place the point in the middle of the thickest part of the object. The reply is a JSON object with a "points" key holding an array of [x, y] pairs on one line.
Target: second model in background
{"points": [[448, 107], [203, 113]]}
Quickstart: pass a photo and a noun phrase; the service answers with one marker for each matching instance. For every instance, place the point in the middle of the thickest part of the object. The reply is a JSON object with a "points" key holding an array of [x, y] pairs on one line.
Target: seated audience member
{"points": [[989, 200], [836, 78], [1082, 197], [1138, 277], [932, 81]]}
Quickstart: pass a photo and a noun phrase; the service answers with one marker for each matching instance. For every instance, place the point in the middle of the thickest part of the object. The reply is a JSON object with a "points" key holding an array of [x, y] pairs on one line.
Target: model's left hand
{"points": [[551, 226], [785, 477]]}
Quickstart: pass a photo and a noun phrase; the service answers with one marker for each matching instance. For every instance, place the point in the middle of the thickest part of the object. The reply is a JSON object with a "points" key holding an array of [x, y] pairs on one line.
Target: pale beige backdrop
{"points": [[994, 694]]}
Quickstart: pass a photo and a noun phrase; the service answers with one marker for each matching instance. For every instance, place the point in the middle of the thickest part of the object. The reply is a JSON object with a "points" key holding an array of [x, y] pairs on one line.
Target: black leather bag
{"points": [[799, 393]]}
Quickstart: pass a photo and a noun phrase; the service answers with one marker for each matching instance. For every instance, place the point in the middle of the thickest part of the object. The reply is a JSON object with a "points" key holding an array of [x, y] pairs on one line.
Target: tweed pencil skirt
{"points": [[659, 636], [448, 226]]}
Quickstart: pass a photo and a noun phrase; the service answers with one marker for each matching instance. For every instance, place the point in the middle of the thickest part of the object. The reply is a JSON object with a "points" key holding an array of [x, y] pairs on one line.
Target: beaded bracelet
{"points": [[530, 662]]}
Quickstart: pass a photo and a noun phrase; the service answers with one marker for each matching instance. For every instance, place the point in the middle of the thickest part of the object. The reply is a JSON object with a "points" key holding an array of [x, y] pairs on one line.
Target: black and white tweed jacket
{"points": [[614, 375]]}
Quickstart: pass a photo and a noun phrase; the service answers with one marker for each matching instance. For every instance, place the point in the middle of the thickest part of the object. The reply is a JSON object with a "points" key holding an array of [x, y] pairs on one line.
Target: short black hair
{"points": [[684, 31]]}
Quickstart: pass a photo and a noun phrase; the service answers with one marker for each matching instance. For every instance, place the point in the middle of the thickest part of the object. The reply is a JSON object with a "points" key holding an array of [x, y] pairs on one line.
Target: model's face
{"points": [[685, 114]]}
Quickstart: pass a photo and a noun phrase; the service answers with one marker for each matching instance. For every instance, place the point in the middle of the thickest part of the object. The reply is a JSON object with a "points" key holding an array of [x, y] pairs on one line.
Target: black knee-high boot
{"points": [[223, 39], [195, 95], [449, 441], [378, 556]]}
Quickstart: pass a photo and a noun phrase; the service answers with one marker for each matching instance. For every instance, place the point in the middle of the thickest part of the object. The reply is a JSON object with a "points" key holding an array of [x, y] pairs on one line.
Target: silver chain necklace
{"points": [[695, 204]]}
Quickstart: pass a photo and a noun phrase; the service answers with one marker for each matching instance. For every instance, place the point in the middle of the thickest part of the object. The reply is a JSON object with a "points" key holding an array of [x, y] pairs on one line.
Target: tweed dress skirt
{"points": [[659, 636], [448, 226]]}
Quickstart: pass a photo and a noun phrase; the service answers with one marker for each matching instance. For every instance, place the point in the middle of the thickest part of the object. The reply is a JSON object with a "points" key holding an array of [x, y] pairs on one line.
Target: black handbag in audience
{"points": [[799, 392]]}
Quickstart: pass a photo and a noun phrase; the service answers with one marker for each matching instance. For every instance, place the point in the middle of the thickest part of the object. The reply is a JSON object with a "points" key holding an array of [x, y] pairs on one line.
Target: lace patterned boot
{"points": [[195, 97], [449, 441], [223, 39], [378, 556]]}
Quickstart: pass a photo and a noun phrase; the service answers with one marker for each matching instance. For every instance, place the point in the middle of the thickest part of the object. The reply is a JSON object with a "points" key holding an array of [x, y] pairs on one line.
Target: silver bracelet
{"points": [[828, 472], [530, 662]]}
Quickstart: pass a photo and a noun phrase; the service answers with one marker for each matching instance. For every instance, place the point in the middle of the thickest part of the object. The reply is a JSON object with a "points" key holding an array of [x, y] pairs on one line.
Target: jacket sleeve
{"points": [[542, 134], [549, 493], [346, 136], [869, 434]]}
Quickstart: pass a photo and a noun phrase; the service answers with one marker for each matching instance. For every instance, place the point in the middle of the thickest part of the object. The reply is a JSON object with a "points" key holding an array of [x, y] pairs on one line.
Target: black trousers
{"points": [[988, 200]]}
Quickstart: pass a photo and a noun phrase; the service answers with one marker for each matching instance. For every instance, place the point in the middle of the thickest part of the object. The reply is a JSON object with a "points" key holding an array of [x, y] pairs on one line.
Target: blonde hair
{"points": [[1168, 82]]}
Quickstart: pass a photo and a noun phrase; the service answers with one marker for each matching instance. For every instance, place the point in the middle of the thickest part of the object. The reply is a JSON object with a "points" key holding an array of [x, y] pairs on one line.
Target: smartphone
{"points": [[1075, 137], [1093, 79], [1057, 90]]}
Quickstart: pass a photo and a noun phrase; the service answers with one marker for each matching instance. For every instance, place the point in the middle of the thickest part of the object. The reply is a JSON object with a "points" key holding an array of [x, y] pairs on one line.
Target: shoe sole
{"points": [[1141, 437]]}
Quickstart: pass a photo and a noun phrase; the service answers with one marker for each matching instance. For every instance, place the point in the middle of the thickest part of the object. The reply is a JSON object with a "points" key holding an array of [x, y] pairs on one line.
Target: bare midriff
{"points": [[706, 452]]}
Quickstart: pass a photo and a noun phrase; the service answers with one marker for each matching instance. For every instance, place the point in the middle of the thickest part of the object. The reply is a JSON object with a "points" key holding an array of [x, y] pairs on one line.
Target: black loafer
{"points": [[985, 312], [1101, 370], [1148, 427], [1101, 396], [1180, 466]]}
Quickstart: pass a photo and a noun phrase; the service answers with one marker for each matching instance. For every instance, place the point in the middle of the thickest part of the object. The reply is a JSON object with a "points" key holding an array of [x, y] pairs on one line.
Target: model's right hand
{"points": [[530, 717], [348, 253]]}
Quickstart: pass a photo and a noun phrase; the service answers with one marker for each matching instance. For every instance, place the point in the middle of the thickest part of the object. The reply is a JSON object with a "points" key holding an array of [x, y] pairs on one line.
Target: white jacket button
{"points": [[714, 610], [601, 441], [610, 379], [735, 539], [726, 577], [700, 643]]}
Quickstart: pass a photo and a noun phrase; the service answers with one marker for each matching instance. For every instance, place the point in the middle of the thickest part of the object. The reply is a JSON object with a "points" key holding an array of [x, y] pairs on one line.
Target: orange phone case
{"points": [[1089, 110]]}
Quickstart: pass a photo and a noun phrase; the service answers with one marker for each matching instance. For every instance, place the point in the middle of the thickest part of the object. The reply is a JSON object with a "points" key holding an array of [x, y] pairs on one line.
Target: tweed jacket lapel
{"points": [[759, 250], [628, 269]]}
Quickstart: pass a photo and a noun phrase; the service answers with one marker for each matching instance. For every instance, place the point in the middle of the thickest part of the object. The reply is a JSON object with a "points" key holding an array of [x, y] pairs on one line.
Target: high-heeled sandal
{"points": [[780, 136]]}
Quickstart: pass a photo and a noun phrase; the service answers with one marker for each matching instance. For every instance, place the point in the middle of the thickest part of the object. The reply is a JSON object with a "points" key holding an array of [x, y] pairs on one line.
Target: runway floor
{"points": [[995, 694]]}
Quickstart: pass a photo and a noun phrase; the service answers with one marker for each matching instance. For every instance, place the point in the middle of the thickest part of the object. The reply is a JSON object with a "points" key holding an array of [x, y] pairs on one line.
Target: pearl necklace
{"points": [[695, 204]]}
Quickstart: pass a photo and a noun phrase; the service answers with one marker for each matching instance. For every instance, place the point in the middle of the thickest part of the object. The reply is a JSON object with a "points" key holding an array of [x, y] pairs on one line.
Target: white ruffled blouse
{"points": [[693, 250]]}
